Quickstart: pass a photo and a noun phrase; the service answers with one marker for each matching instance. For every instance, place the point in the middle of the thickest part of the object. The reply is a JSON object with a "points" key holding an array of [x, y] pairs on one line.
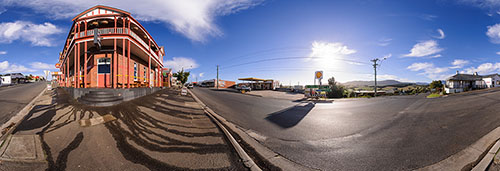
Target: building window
{"points": [[103, 65], [135, 71], [145, 74]]}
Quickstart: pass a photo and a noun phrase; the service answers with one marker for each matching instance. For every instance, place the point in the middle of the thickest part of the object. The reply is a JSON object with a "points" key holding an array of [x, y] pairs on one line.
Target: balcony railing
{"points": [[118, 31]]}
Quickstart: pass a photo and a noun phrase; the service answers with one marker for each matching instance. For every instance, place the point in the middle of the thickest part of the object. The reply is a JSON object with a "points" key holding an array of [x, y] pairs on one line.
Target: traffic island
{"points": [[161, 131]]}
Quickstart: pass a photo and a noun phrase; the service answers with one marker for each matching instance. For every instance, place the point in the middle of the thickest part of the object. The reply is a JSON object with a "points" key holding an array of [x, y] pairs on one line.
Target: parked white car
{"points": [[184, 91]]}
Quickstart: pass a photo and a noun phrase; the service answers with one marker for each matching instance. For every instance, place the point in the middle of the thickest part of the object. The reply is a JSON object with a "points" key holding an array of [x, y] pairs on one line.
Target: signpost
{"points": [[317, 91], [318, 75]]}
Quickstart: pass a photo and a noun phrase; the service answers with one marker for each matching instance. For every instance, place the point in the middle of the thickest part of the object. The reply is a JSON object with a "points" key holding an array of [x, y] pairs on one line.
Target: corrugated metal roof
{"points": [[465, 77], [470, 77], [489, 76]]}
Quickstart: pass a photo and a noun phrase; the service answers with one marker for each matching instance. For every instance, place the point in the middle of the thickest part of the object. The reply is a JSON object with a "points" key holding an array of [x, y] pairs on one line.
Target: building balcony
{"points": [[107, 31]]}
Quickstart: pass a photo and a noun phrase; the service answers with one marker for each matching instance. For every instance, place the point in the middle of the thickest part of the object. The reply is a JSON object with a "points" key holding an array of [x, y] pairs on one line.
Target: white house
{"points": [[492, 80], [464, 82], [6, 80]]}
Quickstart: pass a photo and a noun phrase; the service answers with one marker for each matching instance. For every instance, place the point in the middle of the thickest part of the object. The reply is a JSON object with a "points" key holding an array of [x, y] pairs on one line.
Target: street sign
{"points": [[58, 65], [318, 86], [184, 91], [319, 75], [97, 39]]}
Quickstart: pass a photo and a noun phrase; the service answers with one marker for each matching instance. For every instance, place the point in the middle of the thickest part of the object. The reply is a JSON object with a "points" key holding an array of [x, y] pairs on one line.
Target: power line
{"points": [[297, 70], [245, 56], [290, 58]]}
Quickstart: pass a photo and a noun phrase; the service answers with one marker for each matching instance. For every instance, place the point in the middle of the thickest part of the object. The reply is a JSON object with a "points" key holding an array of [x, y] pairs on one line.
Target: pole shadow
{"points": [[290, 117]]}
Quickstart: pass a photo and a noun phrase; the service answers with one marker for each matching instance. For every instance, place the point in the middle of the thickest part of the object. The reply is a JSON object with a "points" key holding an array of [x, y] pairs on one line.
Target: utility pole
{"points": [[217, 77], [375, 64]]}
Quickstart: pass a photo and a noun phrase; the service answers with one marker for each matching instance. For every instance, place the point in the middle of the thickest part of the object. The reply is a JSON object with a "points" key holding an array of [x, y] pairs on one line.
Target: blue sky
{"points": [[284, 40]]}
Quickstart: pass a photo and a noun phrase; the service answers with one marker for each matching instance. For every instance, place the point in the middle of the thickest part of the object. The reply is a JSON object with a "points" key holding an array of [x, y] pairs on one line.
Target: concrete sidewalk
{"points": [[162, 131]]}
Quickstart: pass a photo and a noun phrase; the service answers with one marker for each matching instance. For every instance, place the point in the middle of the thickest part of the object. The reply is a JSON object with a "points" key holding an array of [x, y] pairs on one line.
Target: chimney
{"points": [[457, 71]]}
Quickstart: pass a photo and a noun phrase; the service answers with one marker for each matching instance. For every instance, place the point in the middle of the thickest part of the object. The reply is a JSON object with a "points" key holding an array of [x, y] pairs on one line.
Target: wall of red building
{"points": [[122, 72]]}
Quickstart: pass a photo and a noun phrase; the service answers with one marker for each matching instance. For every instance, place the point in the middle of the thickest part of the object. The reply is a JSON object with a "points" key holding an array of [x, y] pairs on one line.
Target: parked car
{"points": [[243, 87], [190, 86], [184, 91]]}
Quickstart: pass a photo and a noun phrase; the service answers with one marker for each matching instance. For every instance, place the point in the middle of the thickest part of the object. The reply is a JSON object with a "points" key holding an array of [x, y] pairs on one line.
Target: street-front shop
{"points": [[258, 83], [107, 48]]}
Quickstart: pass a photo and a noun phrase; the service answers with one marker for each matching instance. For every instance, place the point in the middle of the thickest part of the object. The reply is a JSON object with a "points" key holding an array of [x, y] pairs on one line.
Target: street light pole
{"points": [[217, 77], [375, 76], [375, 64]]}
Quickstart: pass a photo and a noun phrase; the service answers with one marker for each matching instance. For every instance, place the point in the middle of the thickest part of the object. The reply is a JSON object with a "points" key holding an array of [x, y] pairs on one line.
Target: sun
{"points": [[327, 55]]}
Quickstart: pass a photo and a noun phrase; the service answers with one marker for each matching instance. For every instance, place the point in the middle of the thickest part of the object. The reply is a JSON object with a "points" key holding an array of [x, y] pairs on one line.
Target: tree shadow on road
{"points": [[290, 117]]}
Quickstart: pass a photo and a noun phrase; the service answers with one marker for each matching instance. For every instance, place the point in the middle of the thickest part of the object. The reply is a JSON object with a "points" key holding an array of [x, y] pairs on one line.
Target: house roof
{"points": [[465, 77], [102, 7], [489, 76]]}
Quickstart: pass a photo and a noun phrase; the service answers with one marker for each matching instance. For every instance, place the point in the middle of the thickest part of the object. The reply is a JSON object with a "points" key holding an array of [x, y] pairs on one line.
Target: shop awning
{"points": [[254, 79]]}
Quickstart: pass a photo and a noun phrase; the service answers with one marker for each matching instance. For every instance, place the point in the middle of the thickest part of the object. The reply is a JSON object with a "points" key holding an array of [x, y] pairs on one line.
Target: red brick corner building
{"points": [[126, 57]]}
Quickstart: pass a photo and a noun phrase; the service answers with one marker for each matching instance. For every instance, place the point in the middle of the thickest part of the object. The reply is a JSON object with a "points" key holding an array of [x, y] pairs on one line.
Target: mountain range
{"points": [[382, 83]]}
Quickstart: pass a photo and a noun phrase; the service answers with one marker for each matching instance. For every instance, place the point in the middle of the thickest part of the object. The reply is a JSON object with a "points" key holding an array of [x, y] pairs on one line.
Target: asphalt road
{"points": [[385, 133], [14, 98]]}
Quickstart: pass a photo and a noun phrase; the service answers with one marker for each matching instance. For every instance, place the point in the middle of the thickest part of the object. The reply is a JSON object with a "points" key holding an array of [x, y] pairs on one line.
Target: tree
{"points": [[336, 90], [181, 76], [437, 84]]}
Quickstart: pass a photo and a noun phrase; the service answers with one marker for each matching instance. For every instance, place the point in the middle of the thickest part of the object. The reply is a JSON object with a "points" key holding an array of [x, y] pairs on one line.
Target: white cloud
{"points": [[420, 66], [330, 50], [201, 74], [384, 42], [487, 4], [3, 52], [6, 67], [429, 70], [42, 66], [179, 63], [458, 63], [424, 48], [436, 56], [194, 19], [494, 33], [387, 56], [323, 53], [485, 68], [428, 17], [387, 77], [441, 34], [37, 34], [498, 53]]}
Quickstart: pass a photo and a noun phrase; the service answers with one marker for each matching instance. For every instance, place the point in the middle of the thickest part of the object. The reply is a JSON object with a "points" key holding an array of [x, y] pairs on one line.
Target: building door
{"points": [[103, 72]]}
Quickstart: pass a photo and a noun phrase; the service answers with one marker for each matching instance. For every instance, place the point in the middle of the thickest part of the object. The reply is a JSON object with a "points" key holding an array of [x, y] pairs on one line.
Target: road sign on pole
{"points": [[318, 75]]}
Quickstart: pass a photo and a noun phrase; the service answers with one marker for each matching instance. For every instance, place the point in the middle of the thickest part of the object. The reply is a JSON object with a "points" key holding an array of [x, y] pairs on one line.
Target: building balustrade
{"points": [[118, 31]]}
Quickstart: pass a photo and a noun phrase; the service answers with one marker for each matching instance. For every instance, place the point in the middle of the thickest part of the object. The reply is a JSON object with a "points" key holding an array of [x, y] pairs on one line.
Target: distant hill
{"points": [[380, 83]]}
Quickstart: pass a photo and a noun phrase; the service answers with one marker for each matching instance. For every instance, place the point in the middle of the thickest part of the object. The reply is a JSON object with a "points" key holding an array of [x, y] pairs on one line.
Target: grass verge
{"points": [[433, 95]]}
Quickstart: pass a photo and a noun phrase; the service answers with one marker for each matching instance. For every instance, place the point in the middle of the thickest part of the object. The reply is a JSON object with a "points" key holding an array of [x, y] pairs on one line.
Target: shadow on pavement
{"points": [[137, 133], [290, 117]]}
